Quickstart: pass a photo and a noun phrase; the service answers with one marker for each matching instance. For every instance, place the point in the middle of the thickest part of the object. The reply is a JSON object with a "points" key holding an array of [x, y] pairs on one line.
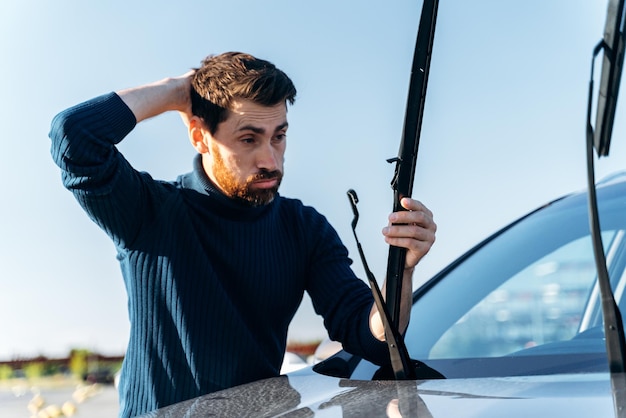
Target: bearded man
{"points": [[216, 262]]}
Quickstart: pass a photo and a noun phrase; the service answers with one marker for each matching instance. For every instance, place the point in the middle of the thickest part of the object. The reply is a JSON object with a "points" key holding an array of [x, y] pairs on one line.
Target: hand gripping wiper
{"points": [[402, 182]]}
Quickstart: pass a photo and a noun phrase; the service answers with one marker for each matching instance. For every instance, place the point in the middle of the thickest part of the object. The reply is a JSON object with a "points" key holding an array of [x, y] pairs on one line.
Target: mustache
{"points": [[266, 175]]}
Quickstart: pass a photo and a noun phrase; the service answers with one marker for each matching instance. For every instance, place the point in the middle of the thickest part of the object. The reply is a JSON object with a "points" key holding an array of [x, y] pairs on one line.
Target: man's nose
{"points": [[268, 157]]}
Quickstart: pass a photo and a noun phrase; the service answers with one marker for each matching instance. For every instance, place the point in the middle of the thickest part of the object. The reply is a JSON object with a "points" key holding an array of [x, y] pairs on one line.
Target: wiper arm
{"points": [[404, 368], [613, 325], [400, 360]]}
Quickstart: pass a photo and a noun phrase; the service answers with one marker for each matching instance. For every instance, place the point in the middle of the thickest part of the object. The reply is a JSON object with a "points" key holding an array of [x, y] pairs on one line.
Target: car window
{"points": [[540, 304], [530, 290]]}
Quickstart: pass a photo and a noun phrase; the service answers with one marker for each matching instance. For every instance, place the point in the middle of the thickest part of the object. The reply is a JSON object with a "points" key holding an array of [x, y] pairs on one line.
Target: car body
{"points": [[514, 326], [306, 396]]}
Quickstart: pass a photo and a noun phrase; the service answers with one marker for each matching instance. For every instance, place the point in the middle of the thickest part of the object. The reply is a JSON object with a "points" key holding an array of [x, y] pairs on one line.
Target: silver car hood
{"points": [[299, 395]]}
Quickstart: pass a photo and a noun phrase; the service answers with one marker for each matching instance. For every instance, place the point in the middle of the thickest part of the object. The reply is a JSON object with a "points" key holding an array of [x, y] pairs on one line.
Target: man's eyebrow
{"points": [[258, 130]]}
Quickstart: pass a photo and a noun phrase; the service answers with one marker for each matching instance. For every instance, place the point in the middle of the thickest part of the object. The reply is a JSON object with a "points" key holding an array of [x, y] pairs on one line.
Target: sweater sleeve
{"points": [[103, 182]]}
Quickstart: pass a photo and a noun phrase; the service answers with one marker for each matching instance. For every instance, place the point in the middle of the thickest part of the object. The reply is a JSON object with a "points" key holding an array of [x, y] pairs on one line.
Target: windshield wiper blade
{"points": [[613, 47], [402, 182], [612, 63], [402, 185]]}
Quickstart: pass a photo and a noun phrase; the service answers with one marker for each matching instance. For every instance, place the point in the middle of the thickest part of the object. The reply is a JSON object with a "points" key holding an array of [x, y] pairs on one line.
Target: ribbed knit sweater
{"points": [[212, 283]]}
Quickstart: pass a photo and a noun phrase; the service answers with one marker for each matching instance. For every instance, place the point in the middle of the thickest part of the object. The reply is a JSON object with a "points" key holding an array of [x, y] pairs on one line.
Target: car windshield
{"points": [[526, 300]]}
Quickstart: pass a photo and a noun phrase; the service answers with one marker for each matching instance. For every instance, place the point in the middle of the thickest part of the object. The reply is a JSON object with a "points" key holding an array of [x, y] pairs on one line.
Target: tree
{"points": [[79, 362]]}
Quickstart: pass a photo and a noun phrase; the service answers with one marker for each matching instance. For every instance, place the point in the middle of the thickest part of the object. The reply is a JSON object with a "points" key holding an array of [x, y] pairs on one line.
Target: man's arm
{"points": [[83, 146], [413, 229], [170, 94]]}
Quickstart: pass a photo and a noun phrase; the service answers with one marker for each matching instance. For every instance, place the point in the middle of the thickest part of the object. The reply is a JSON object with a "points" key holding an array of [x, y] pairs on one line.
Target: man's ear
{"points": [[197, 132]]}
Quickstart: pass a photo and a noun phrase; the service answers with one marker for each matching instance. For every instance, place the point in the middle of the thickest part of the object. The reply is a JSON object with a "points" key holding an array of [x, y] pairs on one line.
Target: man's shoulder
{"points": [[305, 216], [290, 204]]}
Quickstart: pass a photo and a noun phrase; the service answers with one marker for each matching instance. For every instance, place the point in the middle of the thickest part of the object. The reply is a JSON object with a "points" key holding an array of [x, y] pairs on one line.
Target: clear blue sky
{"points": [[503, 130]]}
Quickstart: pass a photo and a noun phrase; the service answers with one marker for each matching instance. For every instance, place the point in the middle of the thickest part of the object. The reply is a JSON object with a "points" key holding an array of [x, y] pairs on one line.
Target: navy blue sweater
{"points": [[212, 283]]}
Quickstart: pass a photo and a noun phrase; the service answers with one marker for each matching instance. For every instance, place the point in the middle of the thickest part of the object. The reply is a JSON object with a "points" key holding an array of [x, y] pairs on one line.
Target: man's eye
{"points": [[247, 140], [280, 137]]}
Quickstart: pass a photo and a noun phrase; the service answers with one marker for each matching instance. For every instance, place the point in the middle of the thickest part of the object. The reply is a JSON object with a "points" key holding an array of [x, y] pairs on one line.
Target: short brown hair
{"points": [[235, 75]]}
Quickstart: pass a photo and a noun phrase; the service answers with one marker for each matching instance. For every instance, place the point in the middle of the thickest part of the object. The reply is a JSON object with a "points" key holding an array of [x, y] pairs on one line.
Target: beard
{"points": [[244, 191]]}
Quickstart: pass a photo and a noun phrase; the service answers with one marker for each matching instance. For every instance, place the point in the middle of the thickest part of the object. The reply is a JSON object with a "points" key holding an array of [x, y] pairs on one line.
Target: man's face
{"points": [[246, 154]]}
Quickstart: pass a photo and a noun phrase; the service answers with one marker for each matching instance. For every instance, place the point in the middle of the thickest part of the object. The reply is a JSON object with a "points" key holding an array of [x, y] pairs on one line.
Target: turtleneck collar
{"points": [[199, 182]]}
